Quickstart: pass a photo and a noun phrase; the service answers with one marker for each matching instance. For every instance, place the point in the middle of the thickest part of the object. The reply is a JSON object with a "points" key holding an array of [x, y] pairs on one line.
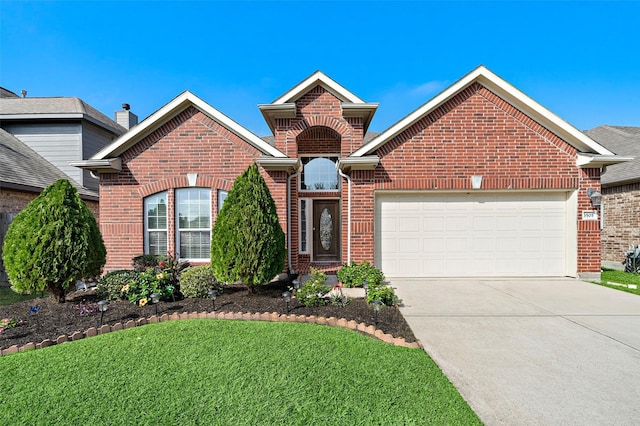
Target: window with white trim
{"points": [[222, 195], [319, 174], [193, 223], [155, 224], [303, 225]]}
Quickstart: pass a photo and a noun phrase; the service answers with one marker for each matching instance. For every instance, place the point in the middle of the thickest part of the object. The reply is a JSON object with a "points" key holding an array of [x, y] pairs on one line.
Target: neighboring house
{"points": [[479, 181], [620, 192], [60, 129], [39, 137]]}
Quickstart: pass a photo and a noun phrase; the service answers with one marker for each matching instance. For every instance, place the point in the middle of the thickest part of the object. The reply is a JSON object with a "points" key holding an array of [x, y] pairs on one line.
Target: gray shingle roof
{"points": [[18, 107], [622, 140], [23, 168]]}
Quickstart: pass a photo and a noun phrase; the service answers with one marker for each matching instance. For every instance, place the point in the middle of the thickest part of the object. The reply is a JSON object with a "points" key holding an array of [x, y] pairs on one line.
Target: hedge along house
{"points": [[479, 181]]}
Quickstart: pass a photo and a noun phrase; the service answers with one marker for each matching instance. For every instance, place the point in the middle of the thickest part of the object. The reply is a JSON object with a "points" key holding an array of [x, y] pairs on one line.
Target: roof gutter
{"points": [[106, 165], [588, 160], [368, 162]]}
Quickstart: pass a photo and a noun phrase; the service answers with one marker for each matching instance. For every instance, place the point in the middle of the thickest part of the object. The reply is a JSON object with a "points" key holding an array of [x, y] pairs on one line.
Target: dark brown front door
{"points": [[326, 231]]}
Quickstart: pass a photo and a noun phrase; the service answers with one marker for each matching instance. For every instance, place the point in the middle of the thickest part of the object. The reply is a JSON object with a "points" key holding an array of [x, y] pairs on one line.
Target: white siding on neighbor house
{"points": [[93, 140], [59, 143], [474, 234]]}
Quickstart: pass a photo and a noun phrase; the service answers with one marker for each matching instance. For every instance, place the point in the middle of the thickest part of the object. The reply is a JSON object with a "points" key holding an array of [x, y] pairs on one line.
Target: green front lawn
{"points": [[620, 277], [228, 372]]}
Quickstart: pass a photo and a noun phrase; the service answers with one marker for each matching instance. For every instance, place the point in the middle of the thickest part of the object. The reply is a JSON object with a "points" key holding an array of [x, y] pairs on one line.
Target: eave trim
{"points": [[270, 164], [170, 110], [368, 162], [587, 160], [106, 165], [507, 92]]}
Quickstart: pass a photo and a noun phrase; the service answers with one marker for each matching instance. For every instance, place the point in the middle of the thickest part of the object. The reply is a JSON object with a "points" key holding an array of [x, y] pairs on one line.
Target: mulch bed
{"points": [[54, 319]]}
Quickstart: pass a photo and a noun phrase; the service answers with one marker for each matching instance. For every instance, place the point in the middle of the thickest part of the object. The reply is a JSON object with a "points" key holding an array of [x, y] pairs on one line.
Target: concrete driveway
{"points": [[532, 351]]}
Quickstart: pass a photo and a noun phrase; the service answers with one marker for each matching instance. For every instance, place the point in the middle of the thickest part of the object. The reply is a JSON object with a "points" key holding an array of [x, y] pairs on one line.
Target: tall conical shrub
{"points": [[53, 242], [247, 241]]}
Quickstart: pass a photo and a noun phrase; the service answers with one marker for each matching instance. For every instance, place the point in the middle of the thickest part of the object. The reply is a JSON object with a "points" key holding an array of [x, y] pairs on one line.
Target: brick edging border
{"points": [[266, 316]]}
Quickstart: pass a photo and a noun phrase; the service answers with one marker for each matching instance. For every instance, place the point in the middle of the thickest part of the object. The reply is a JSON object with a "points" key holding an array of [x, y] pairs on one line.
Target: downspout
{"points": [[348, 178], [289, 218]]}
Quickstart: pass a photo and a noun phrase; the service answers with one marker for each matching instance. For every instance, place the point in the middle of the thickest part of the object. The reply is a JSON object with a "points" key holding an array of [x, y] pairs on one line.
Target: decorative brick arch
{"points": [[203, 181], [339, 126]]}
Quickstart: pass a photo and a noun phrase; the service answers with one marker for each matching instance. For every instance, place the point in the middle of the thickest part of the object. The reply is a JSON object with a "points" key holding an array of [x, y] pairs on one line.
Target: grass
{"points": [[228, 372], [8, 296], [621, 277]]}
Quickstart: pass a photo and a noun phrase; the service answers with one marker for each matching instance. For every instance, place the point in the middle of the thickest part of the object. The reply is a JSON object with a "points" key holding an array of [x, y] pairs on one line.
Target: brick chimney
{"points": [[126, 118]]}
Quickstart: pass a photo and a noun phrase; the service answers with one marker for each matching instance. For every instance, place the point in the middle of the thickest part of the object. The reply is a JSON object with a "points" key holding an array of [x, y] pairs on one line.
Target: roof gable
{"points": [[318, 78], [285, 105], [166, 113], [504, 90]]}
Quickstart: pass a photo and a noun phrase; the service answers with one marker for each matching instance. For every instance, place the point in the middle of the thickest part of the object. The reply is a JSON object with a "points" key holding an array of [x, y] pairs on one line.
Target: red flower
{"points": [[162, 264]]}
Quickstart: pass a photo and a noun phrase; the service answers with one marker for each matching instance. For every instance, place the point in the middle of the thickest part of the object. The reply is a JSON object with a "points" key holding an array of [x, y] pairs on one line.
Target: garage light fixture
{"points": [[596, 197], [476, 182]]}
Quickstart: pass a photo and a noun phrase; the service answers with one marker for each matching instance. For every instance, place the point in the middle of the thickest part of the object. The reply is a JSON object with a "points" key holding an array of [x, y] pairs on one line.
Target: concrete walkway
{"points": [[532, 351]]}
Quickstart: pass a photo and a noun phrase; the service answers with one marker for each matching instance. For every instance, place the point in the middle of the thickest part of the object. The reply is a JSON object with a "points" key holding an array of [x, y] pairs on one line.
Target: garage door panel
{"points": [[408, 223], [422, 235]]}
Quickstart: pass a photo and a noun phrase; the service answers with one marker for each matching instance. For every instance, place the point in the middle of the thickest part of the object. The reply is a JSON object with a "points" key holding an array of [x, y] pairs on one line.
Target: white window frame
{"points": [[307, 217], [327, 156], [146, 220], [177, 224]]}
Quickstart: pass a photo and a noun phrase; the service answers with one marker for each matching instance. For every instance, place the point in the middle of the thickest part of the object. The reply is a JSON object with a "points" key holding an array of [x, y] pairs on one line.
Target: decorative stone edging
{"points": [[266, 316]]}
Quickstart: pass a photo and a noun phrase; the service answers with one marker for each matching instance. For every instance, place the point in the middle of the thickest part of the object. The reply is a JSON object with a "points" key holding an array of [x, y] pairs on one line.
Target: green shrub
{"points": [[53, 242], [313, 290], [352, 275], [247, 241], [167, 264], [337, 298], [110, 286], [139, 291], [383, 293], [197, 281]]}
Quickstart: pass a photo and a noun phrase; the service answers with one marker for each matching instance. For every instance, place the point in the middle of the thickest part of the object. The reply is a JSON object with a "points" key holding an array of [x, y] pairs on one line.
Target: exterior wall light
{"points": [[102, 306], [476, 182], [287, 298], [212, 294], [377, 304], [596, 197], [155, 299]]}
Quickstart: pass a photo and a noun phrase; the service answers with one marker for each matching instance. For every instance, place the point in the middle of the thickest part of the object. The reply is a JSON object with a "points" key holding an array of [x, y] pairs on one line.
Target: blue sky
{"points": [[579, 59]]}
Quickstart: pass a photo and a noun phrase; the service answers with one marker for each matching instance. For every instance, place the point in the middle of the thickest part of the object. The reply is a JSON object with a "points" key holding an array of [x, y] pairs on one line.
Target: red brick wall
{"points": [[318, 128], [621, 205], [12, 201], [475, 133], [189, 143]]}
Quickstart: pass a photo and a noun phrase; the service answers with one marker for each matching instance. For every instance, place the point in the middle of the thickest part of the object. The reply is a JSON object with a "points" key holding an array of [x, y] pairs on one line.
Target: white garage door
{"points": [[430, 235]]}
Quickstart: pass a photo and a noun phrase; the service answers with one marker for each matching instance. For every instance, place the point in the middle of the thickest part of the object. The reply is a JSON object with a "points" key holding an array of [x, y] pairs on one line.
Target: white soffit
{"points": [[170, 110], [505, 91]]}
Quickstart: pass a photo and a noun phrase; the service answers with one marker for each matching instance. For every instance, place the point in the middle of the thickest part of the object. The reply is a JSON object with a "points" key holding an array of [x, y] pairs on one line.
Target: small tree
{"points": [[247, 241], [53, 242]]}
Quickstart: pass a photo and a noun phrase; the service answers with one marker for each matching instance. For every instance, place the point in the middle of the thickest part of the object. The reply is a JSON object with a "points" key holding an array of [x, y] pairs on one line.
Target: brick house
{"points": [[479, 181], [620, 192]]}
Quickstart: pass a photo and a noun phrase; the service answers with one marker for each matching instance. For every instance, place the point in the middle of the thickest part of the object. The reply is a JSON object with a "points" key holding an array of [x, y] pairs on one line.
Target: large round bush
{"points": [[197, 281], [110, 286]]}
